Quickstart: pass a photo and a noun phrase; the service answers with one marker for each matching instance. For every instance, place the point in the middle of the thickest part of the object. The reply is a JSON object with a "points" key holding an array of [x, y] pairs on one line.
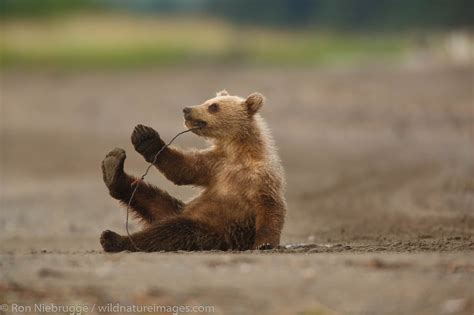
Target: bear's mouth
{"points": [[195, 123]]}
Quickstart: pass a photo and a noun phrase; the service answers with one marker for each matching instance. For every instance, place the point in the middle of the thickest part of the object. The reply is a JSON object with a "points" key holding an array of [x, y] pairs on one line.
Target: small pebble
{"points": [[48, 272]]}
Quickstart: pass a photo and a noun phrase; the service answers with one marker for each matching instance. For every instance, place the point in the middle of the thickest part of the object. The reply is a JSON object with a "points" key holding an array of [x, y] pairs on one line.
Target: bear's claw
{"points": [[111, 242], [264, 246]]}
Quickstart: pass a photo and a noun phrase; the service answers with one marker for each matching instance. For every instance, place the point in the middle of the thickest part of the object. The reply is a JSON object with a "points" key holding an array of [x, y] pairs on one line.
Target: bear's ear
{"points": [[254, 102], [222, 93]]}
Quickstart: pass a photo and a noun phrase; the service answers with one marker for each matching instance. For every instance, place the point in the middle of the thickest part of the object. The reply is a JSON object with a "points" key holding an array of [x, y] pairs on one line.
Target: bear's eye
{"points": [[213, 108]]}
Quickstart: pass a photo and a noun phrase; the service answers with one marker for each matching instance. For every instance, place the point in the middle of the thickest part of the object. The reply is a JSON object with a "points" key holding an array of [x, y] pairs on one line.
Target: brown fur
{"points": [[241, 205]]}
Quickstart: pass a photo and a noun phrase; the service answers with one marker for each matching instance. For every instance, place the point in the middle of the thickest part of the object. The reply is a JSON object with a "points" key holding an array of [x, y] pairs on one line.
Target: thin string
{"points": [[136, 183]]}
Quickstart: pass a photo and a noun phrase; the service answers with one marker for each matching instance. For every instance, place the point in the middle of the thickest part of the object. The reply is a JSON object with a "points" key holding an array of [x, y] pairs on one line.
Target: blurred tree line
{"points": [[345, 15], [351, 14]]}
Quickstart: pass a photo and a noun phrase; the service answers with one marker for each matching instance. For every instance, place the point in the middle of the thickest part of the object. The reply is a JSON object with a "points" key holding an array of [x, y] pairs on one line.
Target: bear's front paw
{"points": [[264, 246], [112, 167], [146, 141], [111, 242]]}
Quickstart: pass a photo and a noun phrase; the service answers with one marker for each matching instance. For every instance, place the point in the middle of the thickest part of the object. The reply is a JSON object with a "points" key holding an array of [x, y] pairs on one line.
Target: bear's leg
{"points": [[149, 202], [171, 234], [182, 233]]}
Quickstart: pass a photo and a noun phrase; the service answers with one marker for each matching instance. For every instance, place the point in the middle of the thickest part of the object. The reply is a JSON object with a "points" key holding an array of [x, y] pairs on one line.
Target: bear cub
{"points": [[241, 205]]}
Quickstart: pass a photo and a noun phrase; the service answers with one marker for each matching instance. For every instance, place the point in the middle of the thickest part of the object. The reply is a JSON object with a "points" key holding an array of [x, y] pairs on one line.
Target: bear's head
{"points": [[223, 116]]}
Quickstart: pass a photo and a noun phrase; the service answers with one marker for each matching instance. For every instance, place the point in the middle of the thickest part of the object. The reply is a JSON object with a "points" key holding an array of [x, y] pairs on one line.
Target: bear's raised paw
{"points": [[146, 141], [112, 167]]}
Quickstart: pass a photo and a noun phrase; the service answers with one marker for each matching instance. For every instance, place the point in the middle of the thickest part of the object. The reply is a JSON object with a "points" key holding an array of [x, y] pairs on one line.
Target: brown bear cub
{"points": [[241, 205]]}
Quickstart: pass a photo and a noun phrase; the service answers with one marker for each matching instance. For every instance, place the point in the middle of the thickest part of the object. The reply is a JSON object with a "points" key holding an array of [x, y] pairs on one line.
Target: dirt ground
{"points": [[380, 186]]}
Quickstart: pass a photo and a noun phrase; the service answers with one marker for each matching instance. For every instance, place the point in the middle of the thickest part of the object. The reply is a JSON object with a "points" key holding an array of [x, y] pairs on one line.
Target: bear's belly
{"points": [[223, 206]]}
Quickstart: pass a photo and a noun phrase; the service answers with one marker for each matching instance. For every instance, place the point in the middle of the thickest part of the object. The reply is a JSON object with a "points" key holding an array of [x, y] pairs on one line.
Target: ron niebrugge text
{"points": [[106, 308]]}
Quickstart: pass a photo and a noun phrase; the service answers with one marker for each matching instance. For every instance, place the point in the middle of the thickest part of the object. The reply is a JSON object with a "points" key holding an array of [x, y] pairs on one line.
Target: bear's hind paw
{"points": [[111, 242], [112, 166]]}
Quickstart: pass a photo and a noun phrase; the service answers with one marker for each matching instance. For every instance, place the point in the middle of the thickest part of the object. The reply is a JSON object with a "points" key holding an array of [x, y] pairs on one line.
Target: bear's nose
{"points": [[186, 110]]}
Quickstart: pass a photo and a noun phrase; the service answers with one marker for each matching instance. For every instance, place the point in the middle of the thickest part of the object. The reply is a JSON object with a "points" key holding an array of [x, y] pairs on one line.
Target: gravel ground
{"points": [[380, 170]]}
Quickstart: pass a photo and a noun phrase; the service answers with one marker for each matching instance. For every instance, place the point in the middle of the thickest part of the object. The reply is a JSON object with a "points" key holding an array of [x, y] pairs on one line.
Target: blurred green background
{"points": [[127, 33]]}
